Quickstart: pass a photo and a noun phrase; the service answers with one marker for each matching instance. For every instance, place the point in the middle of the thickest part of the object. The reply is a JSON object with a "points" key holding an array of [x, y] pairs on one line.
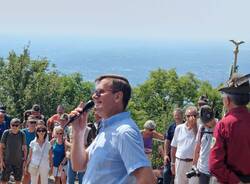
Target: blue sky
{"points": [[150, 19]]}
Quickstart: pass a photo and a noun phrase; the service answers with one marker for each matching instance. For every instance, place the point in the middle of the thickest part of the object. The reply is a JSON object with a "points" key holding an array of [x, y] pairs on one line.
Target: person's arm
{"points": [[2, 165], [166, 151], [28, 160], [144, 175], [196, 153], [25, 151], [173, 153], [158, 135], [79, 155], [197, 146]]}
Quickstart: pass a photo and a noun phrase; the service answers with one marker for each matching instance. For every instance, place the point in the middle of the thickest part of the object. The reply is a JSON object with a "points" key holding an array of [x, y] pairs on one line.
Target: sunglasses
{"points": [[59, 133], [41, 130], [99, 92], [32, 122], [191, 115], [15, 125]]}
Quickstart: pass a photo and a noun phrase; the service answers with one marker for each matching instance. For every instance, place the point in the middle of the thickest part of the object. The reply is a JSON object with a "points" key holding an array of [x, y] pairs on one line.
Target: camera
{"points": [[193, 172]]}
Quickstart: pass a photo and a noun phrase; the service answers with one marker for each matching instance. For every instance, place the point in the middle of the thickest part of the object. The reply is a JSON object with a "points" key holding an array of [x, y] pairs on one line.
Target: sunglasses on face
{"points": [[15, 125], [41, 130], [194, 115], [32, 122], [99, 92], [59, 133]]}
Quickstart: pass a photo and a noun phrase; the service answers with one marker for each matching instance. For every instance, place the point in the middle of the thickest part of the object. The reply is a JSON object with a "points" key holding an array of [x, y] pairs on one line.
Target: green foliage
{"points": [[157, 97], [25, 82]]}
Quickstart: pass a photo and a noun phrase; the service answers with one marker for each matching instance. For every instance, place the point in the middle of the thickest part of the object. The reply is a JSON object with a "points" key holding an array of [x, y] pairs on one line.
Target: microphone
{"points": [[90, 104]]}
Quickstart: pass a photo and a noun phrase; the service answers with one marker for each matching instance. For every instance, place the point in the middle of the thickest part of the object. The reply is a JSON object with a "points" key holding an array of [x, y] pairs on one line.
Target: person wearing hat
{"points": [[229, 158], [36, 112], [203, 100], [203, 143], [148, 133]]}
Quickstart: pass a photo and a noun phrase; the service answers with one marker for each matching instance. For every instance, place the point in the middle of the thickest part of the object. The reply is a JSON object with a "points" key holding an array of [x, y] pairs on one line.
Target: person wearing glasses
{"points": [[30, 133], [229, 157], [59, 159], [116, 156], [148, 133], [13, 152], [182, 147], [39, 161]]}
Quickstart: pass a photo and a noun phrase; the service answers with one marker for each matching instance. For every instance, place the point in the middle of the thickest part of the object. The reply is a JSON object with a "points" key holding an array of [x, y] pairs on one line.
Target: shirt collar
{"points": [[237, 110], [117, 117]]}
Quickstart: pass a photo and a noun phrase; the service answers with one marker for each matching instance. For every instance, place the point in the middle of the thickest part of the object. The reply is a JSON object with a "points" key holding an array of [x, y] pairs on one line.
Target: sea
{"points": [[133, 58]]}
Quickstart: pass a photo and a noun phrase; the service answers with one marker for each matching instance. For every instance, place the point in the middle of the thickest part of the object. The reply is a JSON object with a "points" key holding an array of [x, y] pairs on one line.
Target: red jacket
{"points": [[231, 152]]}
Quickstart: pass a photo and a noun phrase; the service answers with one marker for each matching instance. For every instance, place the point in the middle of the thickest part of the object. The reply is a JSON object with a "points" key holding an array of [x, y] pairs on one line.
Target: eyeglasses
{"points": [[41, 130], [32, 122], [15, 125], [99, 92], [189, 115], [59, 133]]}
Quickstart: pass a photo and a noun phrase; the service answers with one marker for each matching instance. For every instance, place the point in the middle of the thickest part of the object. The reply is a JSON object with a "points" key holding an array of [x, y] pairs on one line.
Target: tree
{"points": [[25, 81]]}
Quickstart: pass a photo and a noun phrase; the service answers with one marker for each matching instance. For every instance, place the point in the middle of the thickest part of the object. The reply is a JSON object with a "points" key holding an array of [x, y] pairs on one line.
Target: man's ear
{"points": [[118, 96]]}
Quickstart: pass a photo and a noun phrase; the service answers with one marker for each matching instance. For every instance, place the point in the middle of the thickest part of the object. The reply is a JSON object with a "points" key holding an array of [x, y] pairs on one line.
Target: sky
{"points": [[142, 19]]}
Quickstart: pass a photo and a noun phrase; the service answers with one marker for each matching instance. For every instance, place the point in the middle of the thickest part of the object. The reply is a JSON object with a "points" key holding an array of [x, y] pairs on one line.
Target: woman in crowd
{"points": [[59, 159], [40, 156], [148, 133]]}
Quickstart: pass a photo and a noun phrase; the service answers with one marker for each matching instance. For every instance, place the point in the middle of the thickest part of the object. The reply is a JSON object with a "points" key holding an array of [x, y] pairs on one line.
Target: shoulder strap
{"points": [[202, 132]]}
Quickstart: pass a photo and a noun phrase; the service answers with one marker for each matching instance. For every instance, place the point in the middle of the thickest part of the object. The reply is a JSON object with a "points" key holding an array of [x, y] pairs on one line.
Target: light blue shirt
{"points": [[116, 152]]}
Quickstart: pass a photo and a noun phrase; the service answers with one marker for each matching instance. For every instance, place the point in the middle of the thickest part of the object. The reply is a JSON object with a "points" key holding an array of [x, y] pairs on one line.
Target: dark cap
{"points": [[36, 108], [206, 114], [203, 100], [237, 85]]}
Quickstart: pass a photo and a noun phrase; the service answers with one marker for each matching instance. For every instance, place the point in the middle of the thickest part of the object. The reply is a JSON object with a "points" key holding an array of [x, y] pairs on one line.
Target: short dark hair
{"points": [[119, 83], [239, 99]]}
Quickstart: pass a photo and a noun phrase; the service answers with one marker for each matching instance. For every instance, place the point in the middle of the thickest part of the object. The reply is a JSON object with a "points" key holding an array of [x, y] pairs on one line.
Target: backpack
{"points": [[203, 131]]}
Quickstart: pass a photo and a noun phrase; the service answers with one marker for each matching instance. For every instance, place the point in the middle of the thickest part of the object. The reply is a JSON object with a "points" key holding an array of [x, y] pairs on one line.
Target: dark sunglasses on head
{"points": [[41, 130], [15, 125]]}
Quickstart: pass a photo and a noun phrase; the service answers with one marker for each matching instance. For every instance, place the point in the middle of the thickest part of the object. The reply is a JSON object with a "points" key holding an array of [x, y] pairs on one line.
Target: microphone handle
{"points": [[90, 104]]}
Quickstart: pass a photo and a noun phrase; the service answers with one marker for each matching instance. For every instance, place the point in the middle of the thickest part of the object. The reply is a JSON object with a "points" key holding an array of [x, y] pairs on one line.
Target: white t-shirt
{"points": [[205, 145], [40, 153], [184, 141]]}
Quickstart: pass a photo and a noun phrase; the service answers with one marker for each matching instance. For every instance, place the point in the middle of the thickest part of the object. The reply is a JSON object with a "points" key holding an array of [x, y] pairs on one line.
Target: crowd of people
{"points": [[197, 148]]}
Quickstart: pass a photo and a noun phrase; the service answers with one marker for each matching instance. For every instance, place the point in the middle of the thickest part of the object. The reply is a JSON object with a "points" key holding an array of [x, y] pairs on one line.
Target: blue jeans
{"points": [[71, 175], [168, 178]]}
